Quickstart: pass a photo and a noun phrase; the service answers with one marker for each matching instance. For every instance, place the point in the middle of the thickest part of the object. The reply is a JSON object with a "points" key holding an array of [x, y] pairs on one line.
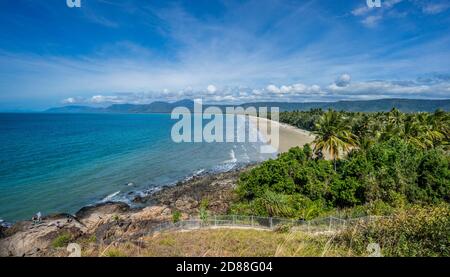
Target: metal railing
{"points": [[327, 224]]}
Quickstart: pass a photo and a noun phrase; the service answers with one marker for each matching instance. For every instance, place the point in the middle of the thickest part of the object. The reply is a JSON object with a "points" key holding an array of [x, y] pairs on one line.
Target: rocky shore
{"points": [[109, 222]]}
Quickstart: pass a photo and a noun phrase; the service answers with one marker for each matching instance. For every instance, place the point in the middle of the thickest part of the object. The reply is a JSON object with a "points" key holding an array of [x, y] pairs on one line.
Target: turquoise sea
{"points": [[61, 162]]}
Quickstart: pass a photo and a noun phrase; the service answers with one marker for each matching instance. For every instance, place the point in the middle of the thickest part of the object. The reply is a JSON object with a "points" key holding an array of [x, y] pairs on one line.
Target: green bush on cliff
{"points": [[61, 240], [176, 216], [386, 175]]}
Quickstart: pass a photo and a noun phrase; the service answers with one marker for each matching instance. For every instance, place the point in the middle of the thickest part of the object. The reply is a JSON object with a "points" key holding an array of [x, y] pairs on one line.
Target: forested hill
{"points": [[404, 105], [381, 105]]}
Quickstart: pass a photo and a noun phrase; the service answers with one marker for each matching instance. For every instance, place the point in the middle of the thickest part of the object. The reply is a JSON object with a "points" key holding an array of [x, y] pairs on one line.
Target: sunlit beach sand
{"points": [[289, 136]]}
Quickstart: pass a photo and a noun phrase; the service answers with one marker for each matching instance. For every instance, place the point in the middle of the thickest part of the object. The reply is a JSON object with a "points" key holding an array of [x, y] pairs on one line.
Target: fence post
{"points": [[309, 223], [271, 222], [252, 221], [215, 220], [329, 226]]}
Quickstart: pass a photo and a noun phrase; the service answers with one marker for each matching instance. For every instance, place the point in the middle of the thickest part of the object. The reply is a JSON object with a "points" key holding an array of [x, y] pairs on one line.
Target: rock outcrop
{"points": [[109, 222]]}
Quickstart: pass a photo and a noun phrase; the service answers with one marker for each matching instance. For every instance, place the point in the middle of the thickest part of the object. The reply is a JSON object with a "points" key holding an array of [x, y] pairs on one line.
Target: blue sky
{"points": [[136, 51]]}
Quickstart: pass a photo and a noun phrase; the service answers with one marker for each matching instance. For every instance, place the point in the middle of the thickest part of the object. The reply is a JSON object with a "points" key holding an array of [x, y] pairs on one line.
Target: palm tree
{"points": [[432, 133], [333, 135], [423, 130], [412, 131], [395, 117], [440, 121]]}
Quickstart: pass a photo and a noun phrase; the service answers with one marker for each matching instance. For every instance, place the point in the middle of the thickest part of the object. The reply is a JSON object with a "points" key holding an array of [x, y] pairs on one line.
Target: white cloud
{"points": [[273, 89], [285, 89], [228, 55], [315, 88], [390, 89], [343, 80], [390, 3], [372, 20], [435, 86], [294, 90], [256, 92], [361, 10], [435, 8], [100, 99], [211, 89], [373, 16], [70, 100]]}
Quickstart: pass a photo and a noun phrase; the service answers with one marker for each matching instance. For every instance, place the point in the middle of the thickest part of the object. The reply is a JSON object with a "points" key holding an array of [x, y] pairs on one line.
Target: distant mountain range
{"points": [[404, 105]]}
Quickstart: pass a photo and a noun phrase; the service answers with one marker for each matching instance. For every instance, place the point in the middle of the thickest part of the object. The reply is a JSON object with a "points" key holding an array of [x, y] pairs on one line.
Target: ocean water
{"points": [[61, 162]]}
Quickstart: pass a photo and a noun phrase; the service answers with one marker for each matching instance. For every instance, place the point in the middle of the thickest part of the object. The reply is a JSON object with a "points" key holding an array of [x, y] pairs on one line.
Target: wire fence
{"points": [[327, 224]]}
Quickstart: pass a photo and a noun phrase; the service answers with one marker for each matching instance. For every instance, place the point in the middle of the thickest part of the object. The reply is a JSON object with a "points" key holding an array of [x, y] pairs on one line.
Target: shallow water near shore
{"points": [[62, 162]]}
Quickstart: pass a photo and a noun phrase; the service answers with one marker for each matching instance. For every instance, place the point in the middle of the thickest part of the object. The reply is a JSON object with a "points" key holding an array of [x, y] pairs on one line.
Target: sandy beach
{"points": [[289, 136]]}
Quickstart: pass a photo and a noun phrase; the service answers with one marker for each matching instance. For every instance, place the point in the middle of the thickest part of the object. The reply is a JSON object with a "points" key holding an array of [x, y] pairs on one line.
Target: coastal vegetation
{"points": [[416, 231], [379, 161], [61, 240], [176, 216], [387, 163]]}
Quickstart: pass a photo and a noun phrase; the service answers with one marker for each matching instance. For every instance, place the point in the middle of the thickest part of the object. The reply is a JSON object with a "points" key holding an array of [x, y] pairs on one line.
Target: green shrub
{"points": [[204, 203], [61, 240], [116, 218], [204, 215], [416, 231], [385, 175], [277, 204], [176, 216], [283, 228], [346, 192], [92, 239], [379, 208], [434, 176]]}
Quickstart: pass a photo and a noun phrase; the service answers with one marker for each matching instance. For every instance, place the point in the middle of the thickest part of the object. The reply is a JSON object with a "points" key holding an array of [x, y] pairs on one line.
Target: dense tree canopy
{"points": [[391, 158]]}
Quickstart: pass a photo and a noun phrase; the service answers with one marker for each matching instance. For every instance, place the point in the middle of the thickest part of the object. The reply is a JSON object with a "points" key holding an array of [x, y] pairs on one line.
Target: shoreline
{"points": [[289, 136], [137, 199], [112, 221]]}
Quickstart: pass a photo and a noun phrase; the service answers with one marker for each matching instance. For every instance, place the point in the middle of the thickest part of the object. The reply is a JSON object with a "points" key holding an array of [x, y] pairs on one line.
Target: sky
{"points": [[139, 51]]}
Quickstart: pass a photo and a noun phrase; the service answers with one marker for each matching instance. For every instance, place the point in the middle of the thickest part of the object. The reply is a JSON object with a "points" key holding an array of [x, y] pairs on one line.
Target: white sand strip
{"points": [[289, 136]]}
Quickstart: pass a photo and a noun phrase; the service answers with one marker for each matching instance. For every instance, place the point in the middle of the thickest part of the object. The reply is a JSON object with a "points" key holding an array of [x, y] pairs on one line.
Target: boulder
{"points": [[157, 213], [2, 232], [186, 204], [103, 208], [29, 239]]}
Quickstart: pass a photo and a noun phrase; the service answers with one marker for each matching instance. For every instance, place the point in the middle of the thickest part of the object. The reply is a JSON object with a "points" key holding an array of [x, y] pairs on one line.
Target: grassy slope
{"points": [[416, 231], [223, 243]]}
